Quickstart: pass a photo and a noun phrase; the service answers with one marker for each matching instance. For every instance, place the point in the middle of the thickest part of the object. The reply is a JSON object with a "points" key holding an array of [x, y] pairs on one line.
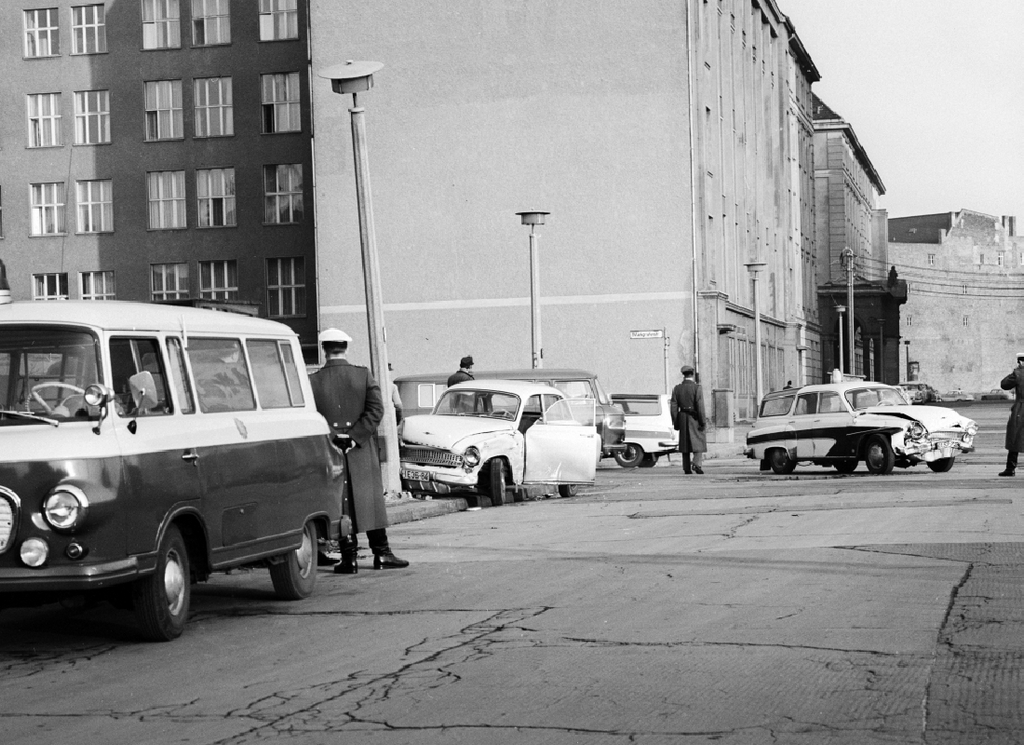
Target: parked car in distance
{"points": [[649, 431], [957, 395], [997, 394], [419, 393], [839, 425], [485, 435], [921, 393]]}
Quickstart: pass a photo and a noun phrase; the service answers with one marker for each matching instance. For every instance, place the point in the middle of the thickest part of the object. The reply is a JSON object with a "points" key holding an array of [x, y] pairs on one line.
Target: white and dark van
{"points": [[143, 447]]}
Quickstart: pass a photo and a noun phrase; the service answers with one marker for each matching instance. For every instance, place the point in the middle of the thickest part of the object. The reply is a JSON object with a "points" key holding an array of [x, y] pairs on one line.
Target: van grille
{"points": [[431, 457], [8, 517]]}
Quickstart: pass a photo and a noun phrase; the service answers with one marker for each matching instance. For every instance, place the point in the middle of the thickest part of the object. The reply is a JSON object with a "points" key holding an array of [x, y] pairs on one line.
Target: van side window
{"points": [[269, 373], [134, 355], [222, 379], [807, 403], [179, 379], [830, 403], [575, 388], [776, 406], [425, 397], [291, 371]]}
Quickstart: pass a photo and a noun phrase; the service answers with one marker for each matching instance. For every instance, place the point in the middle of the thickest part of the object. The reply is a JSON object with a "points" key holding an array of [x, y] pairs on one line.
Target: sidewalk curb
{"points": [[409, 510]]}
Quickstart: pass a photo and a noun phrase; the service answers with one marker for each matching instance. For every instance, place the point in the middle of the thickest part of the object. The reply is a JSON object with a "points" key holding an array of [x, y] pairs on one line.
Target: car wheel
{"points": [[942, 464], [846, 466], [497, 482], [631, 457], [295, 576], [650, 460], [161, 599], [878, 455], [780, 461], [568, 490]]}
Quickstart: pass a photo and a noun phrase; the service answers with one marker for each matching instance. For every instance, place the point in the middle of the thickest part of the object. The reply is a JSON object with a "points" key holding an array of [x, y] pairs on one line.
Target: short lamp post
{"points": [[357, 77], [755, 267], [533, 219], [841, 309]]}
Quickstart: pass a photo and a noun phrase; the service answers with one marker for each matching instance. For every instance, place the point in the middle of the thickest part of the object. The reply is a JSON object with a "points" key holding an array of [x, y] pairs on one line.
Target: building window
{"points": [[279, 19], [163, 110], [47, 208], [964, 289], [161, 24], [211, 22], [966, 323], [999, 259], [95, 201], [170, 281], [44, 120], [1, 213], [50, 286], [214, 110], [215, 195], [931, 259], [88, 29], [218, 280], [281, 103], [910, 320], [92, 117], [282, 189], [97, 285], [166, 194], [981, 258], [42, 33], [286, 287]]}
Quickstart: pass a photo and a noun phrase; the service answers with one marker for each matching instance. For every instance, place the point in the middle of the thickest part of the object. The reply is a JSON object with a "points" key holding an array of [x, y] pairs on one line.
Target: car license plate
{"points": [[412, 475], [944, 445]]}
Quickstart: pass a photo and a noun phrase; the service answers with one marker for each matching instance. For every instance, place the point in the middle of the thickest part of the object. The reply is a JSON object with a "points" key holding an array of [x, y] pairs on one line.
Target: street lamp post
{"points": [[841, 309], [847, 259], [537, 350], [357, 77], [754, 267]]}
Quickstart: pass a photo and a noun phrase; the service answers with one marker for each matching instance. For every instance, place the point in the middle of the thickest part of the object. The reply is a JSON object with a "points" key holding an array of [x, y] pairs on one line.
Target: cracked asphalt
{"points": [[655, 607]]}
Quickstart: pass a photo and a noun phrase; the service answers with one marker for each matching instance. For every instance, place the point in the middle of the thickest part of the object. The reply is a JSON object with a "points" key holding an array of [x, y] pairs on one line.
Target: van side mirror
{"points": [[143, 389]]}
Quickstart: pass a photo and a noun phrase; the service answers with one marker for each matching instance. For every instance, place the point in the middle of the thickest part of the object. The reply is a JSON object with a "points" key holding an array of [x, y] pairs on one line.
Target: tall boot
{"points": [[1011, 464], [686, 462], [348, 563]]}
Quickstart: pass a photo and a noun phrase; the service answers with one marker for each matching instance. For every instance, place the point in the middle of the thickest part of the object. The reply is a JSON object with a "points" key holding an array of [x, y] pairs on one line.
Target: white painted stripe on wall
{"points": [[514, 302]]}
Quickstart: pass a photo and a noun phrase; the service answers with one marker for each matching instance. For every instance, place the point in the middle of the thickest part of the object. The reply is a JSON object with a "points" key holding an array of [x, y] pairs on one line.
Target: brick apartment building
{"points": [[159, 150], [965, 276]]}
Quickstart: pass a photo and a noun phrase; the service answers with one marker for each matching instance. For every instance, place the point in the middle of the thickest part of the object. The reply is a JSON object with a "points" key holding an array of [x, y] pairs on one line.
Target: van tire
{"points": [[779, 460], [568, 490], [631, 457], [497, 483], [295, 576], [161, 599]]}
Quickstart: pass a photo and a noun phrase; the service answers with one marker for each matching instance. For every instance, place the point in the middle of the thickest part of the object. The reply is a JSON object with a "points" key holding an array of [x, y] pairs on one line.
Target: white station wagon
{"points": [[841, 424], [484, 435]]}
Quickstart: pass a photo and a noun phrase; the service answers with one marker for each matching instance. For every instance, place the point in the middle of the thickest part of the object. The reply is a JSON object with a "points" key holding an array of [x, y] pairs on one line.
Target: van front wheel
{"points": [[631, 457], [161, 599], [295, 576]]}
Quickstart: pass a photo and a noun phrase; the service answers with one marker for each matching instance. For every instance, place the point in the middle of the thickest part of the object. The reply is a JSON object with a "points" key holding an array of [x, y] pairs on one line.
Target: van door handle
{"points": [[191, 456]]}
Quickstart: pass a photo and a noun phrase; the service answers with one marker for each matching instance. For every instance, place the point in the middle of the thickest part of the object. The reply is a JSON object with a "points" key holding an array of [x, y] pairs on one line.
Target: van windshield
{"points": [[44, 371]]}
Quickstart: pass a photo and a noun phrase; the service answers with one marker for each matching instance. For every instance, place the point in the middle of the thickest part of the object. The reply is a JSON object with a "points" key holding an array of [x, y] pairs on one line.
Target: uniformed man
{"points": [[1015, 426], [687, 409], [350, 400], [463, 373]]}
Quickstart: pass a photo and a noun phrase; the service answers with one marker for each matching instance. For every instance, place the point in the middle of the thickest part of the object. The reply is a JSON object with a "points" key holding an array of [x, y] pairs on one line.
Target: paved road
{"points": [[737, 607]]}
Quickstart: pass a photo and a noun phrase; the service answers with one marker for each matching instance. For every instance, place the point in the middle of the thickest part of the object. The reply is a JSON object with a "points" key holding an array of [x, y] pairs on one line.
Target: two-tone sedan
{"points": [[487, 435], [838, 425]]}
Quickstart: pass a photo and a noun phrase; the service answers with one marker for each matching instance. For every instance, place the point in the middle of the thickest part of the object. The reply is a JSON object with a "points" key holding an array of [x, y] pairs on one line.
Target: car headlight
{"points": [[34, 552], [972, 430], [471, 457], [916, 431], [66, 507]]}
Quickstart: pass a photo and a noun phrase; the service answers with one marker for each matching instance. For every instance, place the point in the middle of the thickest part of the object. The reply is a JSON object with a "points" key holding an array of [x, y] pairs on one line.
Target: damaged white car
{"points": [[839, 425], [485, 436]]}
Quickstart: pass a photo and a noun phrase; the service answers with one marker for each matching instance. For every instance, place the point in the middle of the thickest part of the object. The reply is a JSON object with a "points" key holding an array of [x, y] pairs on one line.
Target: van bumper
{"points": [[69, 578]]}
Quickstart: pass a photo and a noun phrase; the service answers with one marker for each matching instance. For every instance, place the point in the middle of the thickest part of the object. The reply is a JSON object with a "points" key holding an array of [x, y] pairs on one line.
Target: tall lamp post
{"points": [[533, 219], [847, 260], [355, 78], [755, 267], [841, 309]]}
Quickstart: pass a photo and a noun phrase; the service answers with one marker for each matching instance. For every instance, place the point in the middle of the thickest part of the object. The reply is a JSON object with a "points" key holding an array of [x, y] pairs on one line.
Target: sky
{"points": [[934, 90]]}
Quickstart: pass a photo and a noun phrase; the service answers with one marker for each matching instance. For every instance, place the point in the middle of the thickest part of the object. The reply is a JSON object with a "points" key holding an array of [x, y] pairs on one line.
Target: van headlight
{"points": [[65, 508], [916, 431], [471, 457]]}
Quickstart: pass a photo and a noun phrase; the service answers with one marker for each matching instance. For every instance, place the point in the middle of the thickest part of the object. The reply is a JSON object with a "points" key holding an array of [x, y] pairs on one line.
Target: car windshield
{"points": [[491, 404], [44, 371], [864, 398]]}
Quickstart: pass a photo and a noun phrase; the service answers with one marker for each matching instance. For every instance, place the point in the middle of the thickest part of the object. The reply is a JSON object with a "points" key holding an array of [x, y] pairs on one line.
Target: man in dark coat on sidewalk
{"points": [[1015, 427], [350, 400], [687, 410], [463, 373]]}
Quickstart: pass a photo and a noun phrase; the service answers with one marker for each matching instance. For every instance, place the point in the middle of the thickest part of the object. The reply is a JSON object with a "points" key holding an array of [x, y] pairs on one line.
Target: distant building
{"points": [[965, 305], [849, 227], [159, 150]]}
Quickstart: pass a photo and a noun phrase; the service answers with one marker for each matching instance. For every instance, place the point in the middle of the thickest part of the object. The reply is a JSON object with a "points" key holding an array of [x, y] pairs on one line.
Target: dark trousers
{"points": [[378, 539]]}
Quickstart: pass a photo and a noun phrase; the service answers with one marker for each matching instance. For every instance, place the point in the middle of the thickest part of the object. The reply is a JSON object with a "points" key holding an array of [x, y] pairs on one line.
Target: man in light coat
{"points": [[350, 400], [1015, 426], [687, 410]]}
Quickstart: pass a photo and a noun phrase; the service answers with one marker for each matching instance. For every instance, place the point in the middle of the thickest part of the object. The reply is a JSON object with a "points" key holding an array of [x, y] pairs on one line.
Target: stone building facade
{"points": [[965, 276], [670, 142]]}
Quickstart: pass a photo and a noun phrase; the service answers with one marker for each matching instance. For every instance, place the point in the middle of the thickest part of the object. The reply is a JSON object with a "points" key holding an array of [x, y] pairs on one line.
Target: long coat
{"points": [[350, 400], [1015, 427], [687, 409]]}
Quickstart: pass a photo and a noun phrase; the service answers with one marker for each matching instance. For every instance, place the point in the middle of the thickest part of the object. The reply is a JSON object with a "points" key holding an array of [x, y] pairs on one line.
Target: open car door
{"points": [[560, 447]]}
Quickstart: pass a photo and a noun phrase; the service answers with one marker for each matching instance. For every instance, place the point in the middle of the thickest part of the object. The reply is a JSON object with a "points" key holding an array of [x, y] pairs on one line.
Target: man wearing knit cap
{"points": [[465, 366]]}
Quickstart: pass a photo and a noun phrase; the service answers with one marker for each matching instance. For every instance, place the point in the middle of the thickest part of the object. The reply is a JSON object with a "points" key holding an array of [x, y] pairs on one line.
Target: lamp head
{"points": [[352, 76], [534, 217]]}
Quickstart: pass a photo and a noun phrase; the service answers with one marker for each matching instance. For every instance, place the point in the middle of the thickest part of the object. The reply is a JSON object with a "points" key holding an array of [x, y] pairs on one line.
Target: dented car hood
{"points": [[934, 418], [450, 432]]}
